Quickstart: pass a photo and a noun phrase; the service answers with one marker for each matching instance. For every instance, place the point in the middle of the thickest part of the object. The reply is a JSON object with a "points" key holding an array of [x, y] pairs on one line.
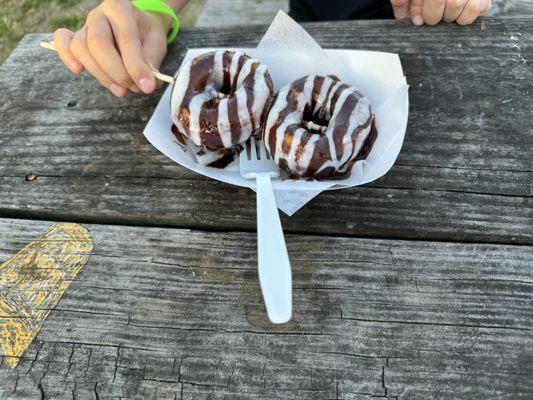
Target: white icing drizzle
{"points": [[223, 124], [307, 154], [329, 131], [245, 70], [323, 92], [279, 104], [218, 68], [330, 98], [357, 118], [234, 65], [241, 96], [195, 106], [244, 117], [293, 118], [261, 92], [178, 92], [291, 156]]}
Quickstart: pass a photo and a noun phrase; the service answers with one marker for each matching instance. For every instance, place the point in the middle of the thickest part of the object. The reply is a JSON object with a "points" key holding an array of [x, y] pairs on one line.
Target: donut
{"points": [[318, 126], [216, 158], [219, 99]]}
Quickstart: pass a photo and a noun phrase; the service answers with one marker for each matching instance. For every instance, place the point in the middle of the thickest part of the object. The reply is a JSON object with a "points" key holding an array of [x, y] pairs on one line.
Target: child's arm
{"points": [[431, 12], [116, 44]]}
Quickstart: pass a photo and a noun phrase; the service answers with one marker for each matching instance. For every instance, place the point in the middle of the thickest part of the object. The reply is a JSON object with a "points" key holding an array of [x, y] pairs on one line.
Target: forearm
{"points": [[177, 5]]}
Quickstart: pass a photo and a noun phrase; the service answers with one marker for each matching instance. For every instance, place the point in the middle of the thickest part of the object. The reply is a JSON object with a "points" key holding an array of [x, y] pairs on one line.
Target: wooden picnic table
{"points": [[417, 285]]}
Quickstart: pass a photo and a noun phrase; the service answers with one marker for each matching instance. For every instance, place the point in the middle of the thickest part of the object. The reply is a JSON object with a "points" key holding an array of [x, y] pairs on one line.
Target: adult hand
{"points": [[116, 45], [431, 12]]}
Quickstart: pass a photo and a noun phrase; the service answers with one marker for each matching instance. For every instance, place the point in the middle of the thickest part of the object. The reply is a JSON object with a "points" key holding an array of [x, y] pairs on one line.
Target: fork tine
{"points": [[262, 150], [253, 149], [267, 154], [258, 149]]}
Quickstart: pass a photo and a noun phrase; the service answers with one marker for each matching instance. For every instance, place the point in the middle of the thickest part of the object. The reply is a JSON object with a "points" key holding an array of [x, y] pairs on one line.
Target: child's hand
{"points": [[116, 45], [431, 12]]}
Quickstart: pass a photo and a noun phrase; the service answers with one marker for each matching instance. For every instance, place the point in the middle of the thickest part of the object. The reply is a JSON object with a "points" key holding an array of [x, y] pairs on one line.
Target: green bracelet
{"points": [[160, 6]]}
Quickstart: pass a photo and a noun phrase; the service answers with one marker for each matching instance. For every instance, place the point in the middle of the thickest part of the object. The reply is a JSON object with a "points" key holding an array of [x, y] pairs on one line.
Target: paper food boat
{"points": [[290, 53]]}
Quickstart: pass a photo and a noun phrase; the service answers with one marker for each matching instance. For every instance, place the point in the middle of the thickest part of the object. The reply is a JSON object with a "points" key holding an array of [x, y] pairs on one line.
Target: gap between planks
{"points": [[144, 223]]}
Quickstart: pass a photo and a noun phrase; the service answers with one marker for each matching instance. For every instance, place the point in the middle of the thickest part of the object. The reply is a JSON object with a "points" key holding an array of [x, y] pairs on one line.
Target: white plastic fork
{"points": [[274, 266]]}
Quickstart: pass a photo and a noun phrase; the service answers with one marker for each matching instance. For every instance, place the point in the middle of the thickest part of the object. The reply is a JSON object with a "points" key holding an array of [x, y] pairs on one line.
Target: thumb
{"points": [[400, 8]]}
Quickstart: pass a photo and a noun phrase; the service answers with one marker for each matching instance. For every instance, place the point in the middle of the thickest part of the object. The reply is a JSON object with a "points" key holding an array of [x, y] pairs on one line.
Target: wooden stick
{"points": [[49, 46], [157, 74], [315, 127], [215, 93]]}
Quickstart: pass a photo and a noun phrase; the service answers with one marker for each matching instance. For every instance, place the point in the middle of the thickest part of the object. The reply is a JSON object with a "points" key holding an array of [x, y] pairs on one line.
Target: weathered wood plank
{"points": [[465, 172], [218, 13], [520, 7], [166, 313]]}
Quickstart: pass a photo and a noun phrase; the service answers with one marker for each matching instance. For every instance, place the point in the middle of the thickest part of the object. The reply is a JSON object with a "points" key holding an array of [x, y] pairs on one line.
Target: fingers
{"points": [[433, 11], [400, 8], [123, 20], [62, 39], [471, 11], [487, 4], [117, 45], [415, 9], [101, 45], [80, 50], [453, 10], [154, 49]]}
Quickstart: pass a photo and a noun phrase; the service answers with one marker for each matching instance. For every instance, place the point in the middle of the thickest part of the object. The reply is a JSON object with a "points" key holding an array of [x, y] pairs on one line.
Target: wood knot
{"points": [[31, 177], [72, 104]]}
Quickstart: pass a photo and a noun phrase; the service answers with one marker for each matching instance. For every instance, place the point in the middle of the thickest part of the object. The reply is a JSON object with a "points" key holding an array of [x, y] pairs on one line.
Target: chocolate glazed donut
{"points": [[318, 127], [219, 98]]}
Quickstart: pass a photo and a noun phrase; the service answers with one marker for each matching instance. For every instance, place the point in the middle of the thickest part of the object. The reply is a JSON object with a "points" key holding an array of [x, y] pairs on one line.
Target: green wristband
{"points": [[160, 6]]}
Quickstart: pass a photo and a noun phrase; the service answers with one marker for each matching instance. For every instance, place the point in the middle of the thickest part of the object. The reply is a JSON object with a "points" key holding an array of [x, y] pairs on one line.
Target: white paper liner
{"points": [[290, 53]]}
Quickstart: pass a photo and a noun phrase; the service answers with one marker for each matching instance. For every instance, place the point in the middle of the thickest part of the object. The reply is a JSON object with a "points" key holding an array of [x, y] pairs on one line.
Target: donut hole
{"points": [[317, 122], [225, 89], [215, 95]]}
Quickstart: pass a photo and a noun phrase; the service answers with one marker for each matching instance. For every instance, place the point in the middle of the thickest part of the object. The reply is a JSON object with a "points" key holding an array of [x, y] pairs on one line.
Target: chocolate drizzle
{"points": [[218, 158], [179, 137], [317, 127], [219, 98]]}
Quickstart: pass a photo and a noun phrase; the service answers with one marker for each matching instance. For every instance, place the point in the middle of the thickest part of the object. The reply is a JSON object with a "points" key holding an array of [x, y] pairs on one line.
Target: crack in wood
{"points": [[116, 363], [69, 361], [96, 396], [41, 390], [469, 168], [438, 324]]}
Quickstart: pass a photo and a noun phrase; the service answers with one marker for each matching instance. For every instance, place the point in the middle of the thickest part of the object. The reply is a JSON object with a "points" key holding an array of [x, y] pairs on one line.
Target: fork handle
{"points": [[274, 266]]}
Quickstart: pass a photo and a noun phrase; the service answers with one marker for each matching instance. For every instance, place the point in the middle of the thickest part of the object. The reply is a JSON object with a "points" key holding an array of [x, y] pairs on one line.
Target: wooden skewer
{"points": [[216, 93], [315, 127], [157, 74]]}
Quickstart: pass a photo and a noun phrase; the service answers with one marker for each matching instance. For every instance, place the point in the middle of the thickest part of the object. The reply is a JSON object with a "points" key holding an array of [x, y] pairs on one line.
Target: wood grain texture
{"points": [[520, 7], [167, 313], [465, 172], [217, 13]]}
